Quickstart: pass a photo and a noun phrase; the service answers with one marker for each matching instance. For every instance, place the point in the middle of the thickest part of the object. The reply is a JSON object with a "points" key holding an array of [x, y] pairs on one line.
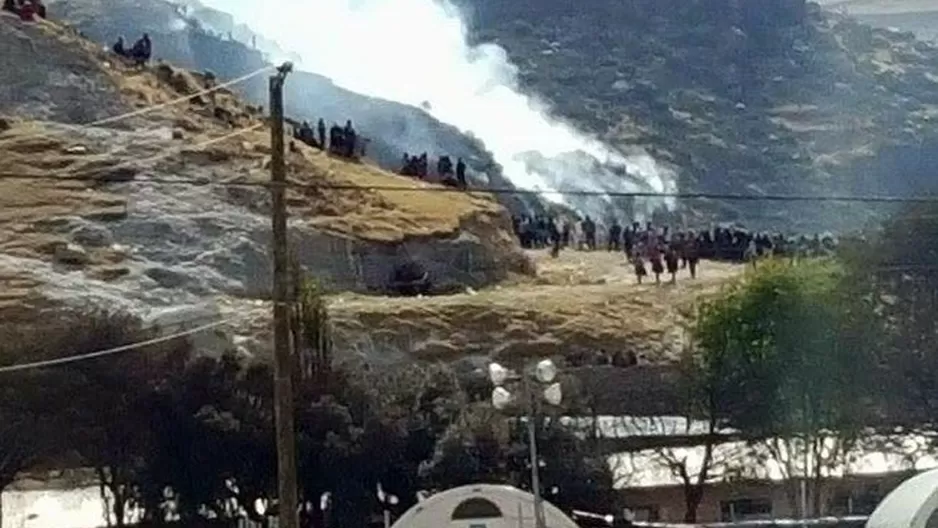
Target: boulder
{"points": [[167, 278], [118, 174], [109, 273], [77, 149], [92, 235], [70, 254]]}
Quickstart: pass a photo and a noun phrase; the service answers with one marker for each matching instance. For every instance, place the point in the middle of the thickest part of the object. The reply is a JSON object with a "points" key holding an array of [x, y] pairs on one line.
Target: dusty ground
{"points": [[582, 306]]}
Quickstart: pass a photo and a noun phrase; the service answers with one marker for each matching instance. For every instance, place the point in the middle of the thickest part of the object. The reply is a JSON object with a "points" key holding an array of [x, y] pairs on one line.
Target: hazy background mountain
{"points": [[918, 16], [762, 96]]}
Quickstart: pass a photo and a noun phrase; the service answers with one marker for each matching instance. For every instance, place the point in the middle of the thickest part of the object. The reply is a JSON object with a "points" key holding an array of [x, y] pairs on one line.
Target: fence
{"points": [[827, 522]]}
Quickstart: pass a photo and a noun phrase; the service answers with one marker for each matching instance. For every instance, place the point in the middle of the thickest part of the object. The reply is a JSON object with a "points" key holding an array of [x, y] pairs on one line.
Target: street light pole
{"points": [[544, 373], [535, 463]]}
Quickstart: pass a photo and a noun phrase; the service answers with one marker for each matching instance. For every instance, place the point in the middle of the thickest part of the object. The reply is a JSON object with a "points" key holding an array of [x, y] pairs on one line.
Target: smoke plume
{"points": [[416, 52]]}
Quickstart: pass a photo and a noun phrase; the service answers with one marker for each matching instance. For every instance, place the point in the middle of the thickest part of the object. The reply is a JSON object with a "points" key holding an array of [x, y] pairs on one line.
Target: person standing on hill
{"points": [[654, 255], [554, 234], [615, 236], [321, 128], [335, 139], [639, 264], [461, 173], [671, 261], [118, 48], [142, 50], [751, 254], [350, 139], [691, 251], [27, 11], [589, 233]]}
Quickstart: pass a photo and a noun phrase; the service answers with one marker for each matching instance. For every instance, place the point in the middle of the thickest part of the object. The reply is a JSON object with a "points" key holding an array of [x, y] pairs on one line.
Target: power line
{"points": [[499, 191], [146, 110], [134, 162], [114, 350], [179, 150]]}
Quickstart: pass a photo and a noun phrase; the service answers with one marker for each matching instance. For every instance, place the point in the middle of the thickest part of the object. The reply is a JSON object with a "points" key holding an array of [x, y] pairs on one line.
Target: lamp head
{"points": [[545, 371], [553, 394], [501, 398], [498, 374]]}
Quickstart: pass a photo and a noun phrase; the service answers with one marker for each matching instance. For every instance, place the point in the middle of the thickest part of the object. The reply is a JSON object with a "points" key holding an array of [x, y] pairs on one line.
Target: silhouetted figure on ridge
{"points": [[142, 50], [589, 232], [423, 165], [306, 134], [336, 143], [444, 167], [349, 140], [119, 48], [615, 236], [321, 128], [461, 173]]}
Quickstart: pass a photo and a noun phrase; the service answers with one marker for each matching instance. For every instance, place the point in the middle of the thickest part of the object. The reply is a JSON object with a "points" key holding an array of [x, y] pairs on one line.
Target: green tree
{"points": [[27, 424], [486, 446], [108, 402], [787, 351], [895, 269]]}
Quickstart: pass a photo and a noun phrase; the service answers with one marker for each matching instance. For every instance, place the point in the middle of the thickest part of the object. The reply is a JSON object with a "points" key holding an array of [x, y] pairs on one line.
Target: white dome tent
{"points": [[481, 506], [914, 504]]}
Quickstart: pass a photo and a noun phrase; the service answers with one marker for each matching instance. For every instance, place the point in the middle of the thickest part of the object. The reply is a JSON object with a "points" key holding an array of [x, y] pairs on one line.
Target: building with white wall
{"points": [[481, 506]]}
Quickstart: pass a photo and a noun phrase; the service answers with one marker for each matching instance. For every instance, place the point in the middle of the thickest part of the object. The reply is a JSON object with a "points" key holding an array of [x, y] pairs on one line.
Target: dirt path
{"points": [[584, 306]]}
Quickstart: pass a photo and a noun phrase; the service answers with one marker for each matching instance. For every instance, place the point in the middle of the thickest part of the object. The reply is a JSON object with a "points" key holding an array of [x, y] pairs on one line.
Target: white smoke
{"points": [[416, 52]]}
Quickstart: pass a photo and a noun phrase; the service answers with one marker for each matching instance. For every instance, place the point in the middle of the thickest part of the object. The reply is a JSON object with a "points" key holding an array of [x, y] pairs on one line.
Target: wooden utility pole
{"points": [[283, 358]]}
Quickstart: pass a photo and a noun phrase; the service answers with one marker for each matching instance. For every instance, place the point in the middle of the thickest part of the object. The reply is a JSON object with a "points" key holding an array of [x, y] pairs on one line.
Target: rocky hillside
{"points": [[762, 96], [161, 214], [917, 16], [200, 38], [163, 211]]}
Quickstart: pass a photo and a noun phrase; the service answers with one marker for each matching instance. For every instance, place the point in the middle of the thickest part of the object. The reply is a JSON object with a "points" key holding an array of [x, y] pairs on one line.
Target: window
{"points": [[746, 510], [476, 508], [643, 513], [855, 502]]}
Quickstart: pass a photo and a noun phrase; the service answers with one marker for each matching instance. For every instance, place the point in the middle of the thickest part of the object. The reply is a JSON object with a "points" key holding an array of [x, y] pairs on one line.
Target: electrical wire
{"points": [[135, 162], [173, 152], [145, 110], [114, 350], [500, 191]]}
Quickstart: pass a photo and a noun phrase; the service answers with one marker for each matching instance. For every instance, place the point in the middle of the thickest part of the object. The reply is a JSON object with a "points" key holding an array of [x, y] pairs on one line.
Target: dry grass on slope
{"points": [[368, 213], [583, 306]]}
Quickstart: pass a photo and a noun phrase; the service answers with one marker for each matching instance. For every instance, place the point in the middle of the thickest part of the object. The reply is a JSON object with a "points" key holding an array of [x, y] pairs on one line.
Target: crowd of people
{"points": [[661, 249], [27, 10], [340, 141], [139, 53], [449, 174]]}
